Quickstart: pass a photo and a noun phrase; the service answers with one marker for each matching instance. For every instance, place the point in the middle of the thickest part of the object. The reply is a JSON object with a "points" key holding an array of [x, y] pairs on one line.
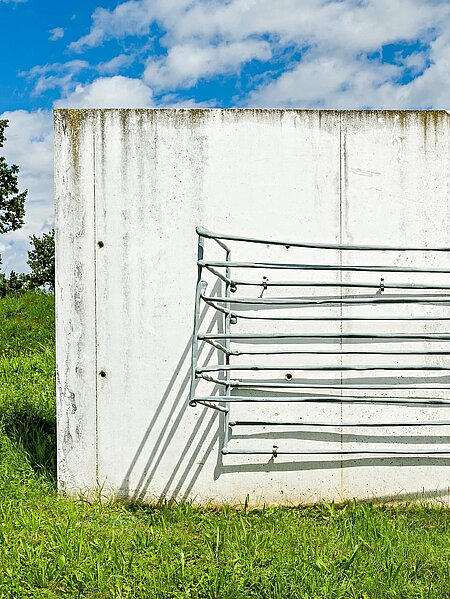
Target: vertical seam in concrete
{"points": [[341, 470], [95, 305]]}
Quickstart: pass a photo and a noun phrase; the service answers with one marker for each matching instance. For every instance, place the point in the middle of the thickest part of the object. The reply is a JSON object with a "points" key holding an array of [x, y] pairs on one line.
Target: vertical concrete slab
{"points": [[395, 191], [75, 301]]}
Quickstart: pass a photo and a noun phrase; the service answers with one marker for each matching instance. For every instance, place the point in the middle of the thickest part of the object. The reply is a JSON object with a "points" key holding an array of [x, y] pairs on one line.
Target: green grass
{"points": [[51, 546]]}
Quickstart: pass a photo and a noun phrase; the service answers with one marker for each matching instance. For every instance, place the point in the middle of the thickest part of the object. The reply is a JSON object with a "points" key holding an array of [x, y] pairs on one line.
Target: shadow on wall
{"points": [[207, 437], [194, 447]]}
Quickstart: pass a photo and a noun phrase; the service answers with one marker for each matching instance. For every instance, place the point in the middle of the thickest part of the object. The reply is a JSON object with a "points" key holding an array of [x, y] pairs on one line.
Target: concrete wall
{"points": [[140, 181]]}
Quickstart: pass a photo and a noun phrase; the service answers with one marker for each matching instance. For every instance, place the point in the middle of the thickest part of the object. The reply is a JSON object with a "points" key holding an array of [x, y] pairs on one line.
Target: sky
{"points": [[339, 54]]}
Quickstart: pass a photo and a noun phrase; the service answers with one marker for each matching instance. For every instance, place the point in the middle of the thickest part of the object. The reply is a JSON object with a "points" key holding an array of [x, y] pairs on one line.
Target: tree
{"points": [[41, 260], [12, 202]]}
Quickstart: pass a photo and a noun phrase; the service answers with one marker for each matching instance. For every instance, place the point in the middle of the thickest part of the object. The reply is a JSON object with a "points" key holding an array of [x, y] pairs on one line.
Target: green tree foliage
{"points": [[15, 283], [41, 260], [12, 206], [12, 202]]}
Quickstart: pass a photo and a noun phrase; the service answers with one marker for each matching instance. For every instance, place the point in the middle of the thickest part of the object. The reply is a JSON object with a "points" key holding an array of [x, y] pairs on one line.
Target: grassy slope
{"points": [[54, 547]]}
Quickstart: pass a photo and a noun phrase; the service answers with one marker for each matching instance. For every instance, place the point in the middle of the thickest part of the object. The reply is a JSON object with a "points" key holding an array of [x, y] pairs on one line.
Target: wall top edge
{"points": [[250, 110], [74, 120]]}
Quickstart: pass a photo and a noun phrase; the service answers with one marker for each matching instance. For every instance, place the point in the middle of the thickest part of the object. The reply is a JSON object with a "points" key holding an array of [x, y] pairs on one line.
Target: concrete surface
{"points": [[139, 181]]}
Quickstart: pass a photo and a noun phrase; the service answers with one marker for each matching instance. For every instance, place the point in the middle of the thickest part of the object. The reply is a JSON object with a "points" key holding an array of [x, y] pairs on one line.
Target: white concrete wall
{"points": [[140, 181]]}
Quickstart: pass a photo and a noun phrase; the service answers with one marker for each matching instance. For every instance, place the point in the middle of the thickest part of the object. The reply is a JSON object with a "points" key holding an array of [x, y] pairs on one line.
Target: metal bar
{"points": [[219, 346], [376, 299], [208, 404], [200, 289], [201, 233], [332, 399], [224, 278], [221, 309], [238, 352], [227, 346], [333, 284], [287, 385], [194, 351], [222, 245], [230, 367], [337, 424], [277, 452], [339, 352], [327, 246], [245, 316], [350, 268], [250, 336]]}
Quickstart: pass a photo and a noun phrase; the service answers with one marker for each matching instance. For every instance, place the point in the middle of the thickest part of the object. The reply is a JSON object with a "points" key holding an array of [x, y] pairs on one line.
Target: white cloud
{"points": [[205, 38], [63, 75], [132, 18], [128, 18], [324, 80], [114, 65], [109, 92], [365, 24], [432, 88], [29, 144], [187, 63], [56, 34], [56, 75]]}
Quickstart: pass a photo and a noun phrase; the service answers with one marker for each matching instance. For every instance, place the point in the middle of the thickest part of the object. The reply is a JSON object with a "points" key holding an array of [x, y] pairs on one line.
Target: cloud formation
{"points": [[56, 34], [109, 92], [186, 63], [340, 44], [292, 53], [58, 75], [311, 53]]}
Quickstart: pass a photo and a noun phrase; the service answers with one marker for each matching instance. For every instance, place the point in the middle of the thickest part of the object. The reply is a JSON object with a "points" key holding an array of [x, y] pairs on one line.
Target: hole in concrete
{"points": [[288, 376], [100, 244], [102, 373]]}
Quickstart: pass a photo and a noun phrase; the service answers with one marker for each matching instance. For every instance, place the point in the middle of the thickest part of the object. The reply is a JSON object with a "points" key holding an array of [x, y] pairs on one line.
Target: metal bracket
{"points": [[264, 285]]}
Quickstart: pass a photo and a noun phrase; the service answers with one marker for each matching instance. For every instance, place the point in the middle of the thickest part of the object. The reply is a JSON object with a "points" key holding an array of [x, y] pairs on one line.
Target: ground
{"points": [[53, 546]]}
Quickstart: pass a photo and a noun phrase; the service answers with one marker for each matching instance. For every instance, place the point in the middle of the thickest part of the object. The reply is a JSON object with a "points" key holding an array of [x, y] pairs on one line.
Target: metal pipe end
{"points": [[193, 403], [203, 231], [232, 423], [224, 451]]}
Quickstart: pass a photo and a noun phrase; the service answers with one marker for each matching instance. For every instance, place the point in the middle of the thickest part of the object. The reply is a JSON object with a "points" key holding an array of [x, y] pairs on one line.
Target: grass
{"points": [[51, 546]]}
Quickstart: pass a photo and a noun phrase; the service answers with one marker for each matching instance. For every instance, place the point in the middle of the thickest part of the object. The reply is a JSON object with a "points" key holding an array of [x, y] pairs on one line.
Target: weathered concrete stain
{"points": [[72, 123]]}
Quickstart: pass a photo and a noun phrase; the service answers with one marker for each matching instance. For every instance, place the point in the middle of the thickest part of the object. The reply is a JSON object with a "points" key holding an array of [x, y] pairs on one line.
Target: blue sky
{"points": [[211, 53]]}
